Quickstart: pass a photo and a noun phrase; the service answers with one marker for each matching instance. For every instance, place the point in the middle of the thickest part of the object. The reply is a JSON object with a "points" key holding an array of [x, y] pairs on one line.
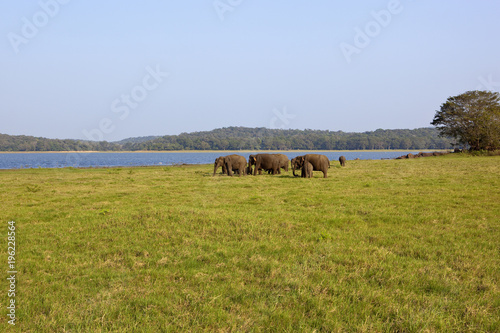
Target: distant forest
{"points": [[244, 138], [31, 143]]}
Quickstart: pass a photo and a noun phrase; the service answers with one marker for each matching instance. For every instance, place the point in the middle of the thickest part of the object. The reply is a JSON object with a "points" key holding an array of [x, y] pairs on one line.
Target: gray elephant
{"points": [[422, 154], [264, 162], [219, 162], [295, 162], [307, 170], [283, 162], [231, 163], [319, 163], [342, 161], [251, 162]]}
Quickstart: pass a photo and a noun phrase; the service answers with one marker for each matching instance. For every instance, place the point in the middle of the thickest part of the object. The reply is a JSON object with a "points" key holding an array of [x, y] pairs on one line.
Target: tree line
{"points": [[244, 138], [31, 143]]}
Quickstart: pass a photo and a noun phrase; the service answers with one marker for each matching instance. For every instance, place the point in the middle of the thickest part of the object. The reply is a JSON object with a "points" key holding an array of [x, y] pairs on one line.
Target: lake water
{"points": [[85, 160]]}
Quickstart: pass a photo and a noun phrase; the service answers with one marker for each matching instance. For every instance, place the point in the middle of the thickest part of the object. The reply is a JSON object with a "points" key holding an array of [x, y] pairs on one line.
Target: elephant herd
{"points": [[422, 154], [273, 163]]}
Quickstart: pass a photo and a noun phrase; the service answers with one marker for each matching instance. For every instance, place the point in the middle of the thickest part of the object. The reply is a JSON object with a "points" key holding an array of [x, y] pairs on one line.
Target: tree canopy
{"points": [[472, 118], [31, 143], [237, 138]]}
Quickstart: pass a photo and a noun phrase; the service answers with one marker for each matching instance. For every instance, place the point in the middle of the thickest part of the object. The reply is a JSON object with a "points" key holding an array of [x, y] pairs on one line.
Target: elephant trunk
{"points": [[293, 170]]}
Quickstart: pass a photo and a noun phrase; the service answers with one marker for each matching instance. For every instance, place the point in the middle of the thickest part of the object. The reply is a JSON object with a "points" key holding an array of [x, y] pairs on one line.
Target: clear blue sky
{"points": [[116, 69]]}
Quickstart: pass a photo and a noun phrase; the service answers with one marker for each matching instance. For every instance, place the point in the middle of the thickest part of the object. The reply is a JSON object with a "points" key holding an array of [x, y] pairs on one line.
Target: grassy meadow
{"points": [[378, 246]]}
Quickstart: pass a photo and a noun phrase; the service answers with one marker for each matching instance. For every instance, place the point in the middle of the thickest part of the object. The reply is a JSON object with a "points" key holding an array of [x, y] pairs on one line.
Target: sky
{"points": [[110, 70]]}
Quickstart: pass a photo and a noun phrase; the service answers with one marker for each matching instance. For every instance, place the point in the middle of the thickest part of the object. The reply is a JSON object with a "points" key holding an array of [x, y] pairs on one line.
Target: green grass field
{"points": [[384, 246]]}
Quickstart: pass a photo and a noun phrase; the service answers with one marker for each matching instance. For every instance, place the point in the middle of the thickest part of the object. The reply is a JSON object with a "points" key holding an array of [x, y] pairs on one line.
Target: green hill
{"points": [[31, 143], [237, 138]]}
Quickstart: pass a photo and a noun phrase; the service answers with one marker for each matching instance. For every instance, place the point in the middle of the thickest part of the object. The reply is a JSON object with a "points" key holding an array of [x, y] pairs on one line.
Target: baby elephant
{"points": [[342, 160], [307, 170]]}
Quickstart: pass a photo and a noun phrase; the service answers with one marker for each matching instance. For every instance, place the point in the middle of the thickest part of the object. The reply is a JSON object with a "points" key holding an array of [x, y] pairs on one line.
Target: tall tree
{"points": [[472, 118]]}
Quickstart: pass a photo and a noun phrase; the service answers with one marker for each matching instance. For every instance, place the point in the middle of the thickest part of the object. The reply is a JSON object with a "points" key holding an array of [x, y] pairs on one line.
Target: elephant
{"points": [[231, 163], [295, 164], [264, 162], [307, 170], [283, 162], [422, 154], [251, 162], [219, 162], [342, 161], [319, 163], [235, 163]]}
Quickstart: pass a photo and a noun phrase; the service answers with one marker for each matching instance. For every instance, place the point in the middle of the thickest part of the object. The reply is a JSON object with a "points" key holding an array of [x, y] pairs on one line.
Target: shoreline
{"points": [[217, 151]]}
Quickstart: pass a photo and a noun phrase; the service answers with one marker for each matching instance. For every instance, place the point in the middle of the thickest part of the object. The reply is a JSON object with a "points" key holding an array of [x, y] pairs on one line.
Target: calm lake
{"points": [[85, 160]]}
